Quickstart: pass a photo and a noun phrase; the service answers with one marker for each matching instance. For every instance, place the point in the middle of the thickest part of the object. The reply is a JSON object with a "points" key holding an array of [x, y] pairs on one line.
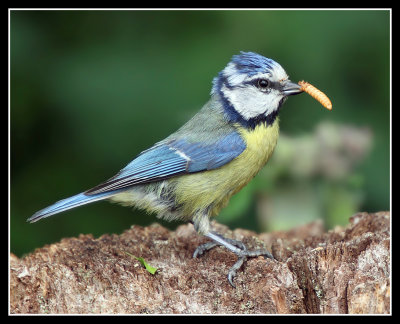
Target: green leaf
{"points": [[148, 267]]}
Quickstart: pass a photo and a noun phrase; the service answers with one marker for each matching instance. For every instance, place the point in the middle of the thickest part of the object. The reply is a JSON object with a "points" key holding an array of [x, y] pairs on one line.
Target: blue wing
{"points": [[172, 158]]}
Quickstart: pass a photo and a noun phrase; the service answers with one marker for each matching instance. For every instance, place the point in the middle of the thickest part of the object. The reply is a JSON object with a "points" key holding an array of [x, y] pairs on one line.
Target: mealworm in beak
{"points": [[316, 94]]}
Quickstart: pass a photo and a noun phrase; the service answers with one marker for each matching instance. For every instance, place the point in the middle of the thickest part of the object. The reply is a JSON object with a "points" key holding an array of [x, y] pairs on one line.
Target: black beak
{"points": [[291, 88]]}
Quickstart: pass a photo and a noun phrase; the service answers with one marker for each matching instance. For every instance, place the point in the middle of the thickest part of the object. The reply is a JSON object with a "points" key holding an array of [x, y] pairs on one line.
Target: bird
{"points": [[192, 173]]}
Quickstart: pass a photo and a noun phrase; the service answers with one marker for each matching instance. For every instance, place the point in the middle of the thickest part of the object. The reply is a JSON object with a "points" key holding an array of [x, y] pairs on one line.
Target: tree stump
{"points": [[345, 270]]}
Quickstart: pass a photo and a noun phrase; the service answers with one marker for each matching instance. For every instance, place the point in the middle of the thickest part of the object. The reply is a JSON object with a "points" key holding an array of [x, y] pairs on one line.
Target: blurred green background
{"points": [[92, 89]]}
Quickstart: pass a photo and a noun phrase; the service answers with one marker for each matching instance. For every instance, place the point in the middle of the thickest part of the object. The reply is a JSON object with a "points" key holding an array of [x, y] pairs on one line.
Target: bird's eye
{"points": [[262, 84]]}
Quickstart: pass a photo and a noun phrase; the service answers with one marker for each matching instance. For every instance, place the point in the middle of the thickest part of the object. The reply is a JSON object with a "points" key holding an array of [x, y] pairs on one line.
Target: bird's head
{"points": [[252, 88]]}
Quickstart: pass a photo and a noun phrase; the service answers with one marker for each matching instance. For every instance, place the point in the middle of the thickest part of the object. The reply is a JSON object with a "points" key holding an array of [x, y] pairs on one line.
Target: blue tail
{"points": [[68, 203]]}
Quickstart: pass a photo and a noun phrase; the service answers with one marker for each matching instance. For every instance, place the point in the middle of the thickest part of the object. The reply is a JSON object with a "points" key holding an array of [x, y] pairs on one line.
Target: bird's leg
{"points": [[234, 246]]}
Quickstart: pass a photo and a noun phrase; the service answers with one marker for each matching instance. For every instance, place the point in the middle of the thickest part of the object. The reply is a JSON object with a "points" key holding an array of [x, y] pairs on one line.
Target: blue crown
{"points": [[252, 63], [247, 63]]}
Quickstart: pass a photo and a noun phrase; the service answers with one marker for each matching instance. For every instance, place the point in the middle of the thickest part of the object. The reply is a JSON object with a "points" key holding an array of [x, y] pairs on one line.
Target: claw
{"points": [[236, 247], [230, 278], [234, 269], [203, 248]]}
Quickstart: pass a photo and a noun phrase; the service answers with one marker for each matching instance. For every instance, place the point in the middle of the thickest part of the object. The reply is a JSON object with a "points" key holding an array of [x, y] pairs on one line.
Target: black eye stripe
{"points": [[271, 85]]}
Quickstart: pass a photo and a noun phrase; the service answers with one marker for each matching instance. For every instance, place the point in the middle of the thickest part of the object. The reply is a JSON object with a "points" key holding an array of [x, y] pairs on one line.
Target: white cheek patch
{"points": [[240, 90], [250, 102]]}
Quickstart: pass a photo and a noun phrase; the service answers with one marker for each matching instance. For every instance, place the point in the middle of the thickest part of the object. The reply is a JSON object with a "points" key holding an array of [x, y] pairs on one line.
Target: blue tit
{"points": [[191, 174]]}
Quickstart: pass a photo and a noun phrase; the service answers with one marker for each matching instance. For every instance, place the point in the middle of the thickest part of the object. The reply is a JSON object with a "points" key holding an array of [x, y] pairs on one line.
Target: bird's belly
{"points": [[211, 190]]}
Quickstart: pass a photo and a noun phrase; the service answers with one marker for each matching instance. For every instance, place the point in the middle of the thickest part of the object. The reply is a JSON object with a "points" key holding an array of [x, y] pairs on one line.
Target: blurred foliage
{"points": [[317, 173], [91, 89]]}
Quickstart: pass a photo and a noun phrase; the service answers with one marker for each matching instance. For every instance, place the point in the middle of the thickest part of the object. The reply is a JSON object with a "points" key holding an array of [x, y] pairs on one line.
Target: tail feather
{"points": [[68, 203]]}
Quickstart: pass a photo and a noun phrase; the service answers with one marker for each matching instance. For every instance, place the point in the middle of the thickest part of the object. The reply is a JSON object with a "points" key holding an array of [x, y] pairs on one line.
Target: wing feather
{"points": [[176, 157]]}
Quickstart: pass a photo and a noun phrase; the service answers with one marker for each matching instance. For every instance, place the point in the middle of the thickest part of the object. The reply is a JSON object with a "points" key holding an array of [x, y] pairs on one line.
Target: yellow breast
{"points": [[200, 191]]}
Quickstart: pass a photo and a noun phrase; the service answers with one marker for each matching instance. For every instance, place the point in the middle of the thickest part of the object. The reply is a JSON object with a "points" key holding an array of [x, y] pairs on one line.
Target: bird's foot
{"points": [[236, 247]]}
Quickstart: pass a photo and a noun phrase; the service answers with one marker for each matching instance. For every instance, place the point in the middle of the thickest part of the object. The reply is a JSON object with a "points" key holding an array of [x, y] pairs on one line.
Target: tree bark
{"points": [[345, 270]]}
